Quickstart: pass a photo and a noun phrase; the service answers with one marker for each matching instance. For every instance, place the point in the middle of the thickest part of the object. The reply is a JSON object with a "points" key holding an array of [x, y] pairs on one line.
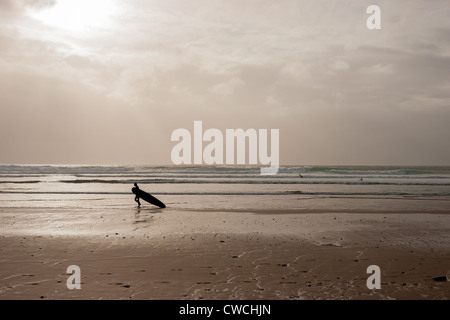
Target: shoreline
{"points": [[320, 211], [215, 267], [149, 254]]}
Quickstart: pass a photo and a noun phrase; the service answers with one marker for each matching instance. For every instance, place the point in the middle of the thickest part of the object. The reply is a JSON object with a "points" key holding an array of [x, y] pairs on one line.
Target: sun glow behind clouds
{"points": [[78, 15]]}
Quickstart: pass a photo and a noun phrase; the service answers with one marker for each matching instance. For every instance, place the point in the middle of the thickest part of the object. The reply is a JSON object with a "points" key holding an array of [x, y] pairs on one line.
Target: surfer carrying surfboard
{"points": [[141, 194], [137, 198]]}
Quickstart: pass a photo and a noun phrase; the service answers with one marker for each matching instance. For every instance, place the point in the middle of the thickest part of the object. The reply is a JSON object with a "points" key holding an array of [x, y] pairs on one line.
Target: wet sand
{"points": [[152, 254]]}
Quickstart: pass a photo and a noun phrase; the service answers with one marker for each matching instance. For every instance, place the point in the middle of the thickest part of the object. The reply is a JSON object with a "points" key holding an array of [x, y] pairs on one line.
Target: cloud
{"points": [[228, 87], [378, 69], [310, 68], [18, 6], [339, 65]]}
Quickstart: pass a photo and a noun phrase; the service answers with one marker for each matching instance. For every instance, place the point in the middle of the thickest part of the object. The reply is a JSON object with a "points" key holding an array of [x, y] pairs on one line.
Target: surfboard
{"points": [[148, 197]]}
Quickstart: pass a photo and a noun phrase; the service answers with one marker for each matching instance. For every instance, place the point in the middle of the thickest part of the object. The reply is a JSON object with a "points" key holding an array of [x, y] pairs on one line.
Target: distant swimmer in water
{"points": [[137, 198], [361, 179]]}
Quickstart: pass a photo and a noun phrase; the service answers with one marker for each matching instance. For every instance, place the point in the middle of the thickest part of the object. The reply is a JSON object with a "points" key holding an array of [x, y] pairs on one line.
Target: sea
{"points": [[306, 189]]}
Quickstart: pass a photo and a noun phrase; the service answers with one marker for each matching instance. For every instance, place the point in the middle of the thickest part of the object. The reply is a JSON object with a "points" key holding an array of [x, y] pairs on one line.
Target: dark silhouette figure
{"points": [[137, 198]]}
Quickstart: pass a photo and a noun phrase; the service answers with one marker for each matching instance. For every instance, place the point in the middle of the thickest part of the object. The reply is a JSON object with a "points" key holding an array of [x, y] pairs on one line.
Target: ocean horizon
{"points": [[384, 188]]}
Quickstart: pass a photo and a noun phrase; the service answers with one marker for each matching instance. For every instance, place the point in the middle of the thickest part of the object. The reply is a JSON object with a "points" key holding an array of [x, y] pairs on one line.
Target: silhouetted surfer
{"points": [[137, 198], [141, 194]]}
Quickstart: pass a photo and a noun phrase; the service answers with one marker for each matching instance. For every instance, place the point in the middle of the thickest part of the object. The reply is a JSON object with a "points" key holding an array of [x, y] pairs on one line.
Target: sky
{"points": [[108, 81]]}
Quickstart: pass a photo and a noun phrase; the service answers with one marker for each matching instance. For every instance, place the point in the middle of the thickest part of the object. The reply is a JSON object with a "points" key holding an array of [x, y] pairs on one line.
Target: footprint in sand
{"points": [[120, 284]]}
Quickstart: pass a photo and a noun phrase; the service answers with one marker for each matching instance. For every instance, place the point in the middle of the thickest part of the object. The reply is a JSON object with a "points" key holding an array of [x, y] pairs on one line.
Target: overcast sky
{"points": [[107, 82]]}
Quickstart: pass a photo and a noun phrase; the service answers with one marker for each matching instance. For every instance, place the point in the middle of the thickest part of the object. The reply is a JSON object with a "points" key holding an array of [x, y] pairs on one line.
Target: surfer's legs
{"points": [[137, 200]]}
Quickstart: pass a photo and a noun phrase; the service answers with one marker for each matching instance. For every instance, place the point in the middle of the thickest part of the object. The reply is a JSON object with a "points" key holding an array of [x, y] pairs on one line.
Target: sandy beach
{"points": [[170, 254], [281, 150]]}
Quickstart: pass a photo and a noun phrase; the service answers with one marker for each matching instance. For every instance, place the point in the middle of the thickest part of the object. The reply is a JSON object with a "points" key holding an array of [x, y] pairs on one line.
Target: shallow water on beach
{"points": [[226, 233], [293, 188]]}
